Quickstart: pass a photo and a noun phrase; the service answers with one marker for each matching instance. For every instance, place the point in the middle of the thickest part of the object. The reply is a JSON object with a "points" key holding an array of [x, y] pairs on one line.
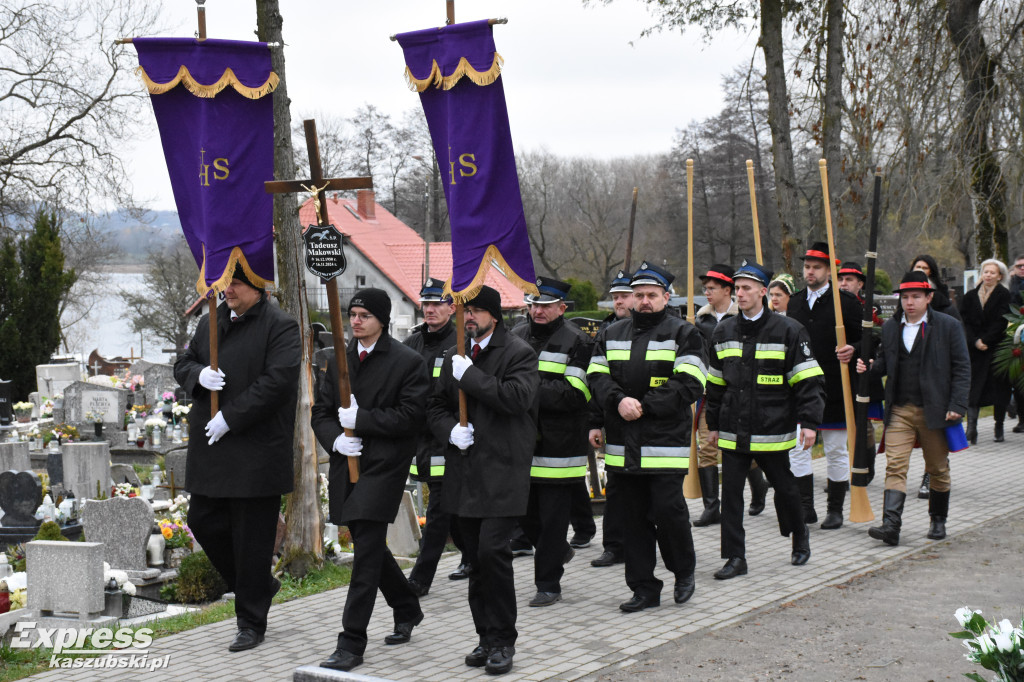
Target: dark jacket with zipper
{"points": [[428, 466], [563, 396], [260, 354], [391, 388], [659, 360], [763, 381], [492, 478]]}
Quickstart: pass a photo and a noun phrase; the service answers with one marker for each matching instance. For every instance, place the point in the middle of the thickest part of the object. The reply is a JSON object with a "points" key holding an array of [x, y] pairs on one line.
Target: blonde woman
{"points": [[982, 312]]}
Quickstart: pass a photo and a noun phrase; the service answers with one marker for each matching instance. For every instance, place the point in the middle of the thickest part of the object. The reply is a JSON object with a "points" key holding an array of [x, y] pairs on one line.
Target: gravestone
{"points": [[82, 397], [175, 461], [55, 467], [86, 466], [6, 402], [158, 379], [14, 456], [21, 493], [139, 367], [404, 534], [125, 473], [123, 525], [37, 404], [65, 578], [51, 380]]}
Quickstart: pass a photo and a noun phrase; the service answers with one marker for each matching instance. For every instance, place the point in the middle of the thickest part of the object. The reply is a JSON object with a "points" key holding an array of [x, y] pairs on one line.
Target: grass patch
{"points": [[16, 664]]}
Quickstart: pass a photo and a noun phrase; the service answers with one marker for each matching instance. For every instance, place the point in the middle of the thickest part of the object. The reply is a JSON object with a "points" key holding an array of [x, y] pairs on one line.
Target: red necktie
{"points": [[476, 351], [362, 355]]}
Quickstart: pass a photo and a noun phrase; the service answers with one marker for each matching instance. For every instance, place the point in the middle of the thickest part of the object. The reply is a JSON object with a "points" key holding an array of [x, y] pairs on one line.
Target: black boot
{"points": [[892, 519], [972, 425], [758, 491], [938, 509], [922, 492], [801, 548], [836, 498], [709, 491], [805, 484], [999, 432]]}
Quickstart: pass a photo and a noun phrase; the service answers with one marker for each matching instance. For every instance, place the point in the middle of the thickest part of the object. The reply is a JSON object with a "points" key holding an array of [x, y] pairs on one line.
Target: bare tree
{"points": [[170, 291]]}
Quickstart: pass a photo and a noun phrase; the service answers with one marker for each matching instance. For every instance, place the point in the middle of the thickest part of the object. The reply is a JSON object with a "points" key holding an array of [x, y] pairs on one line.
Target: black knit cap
{"points": [[239, 274], [488, 299], [376, 301]]}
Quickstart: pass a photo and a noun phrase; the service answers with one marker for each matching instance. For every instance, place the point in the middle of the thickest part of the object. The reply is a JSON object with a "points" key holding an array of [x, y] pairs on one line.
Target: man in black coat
{"points": [[431, 340], [240, 461], [814, 309], [928, 376], [487, 464], [389, 391], [560, 455]]}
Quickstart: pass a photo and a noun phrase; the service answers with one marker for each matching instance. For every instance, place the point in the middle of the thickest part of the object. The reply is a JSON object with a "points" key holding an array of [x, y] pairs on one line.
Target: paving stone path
{"points": [[586, 632]]}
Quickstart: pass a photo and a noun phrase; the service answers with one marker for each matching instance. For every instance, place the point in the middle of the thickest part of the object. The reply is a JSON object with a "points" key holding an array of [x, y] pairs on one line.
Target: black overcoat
{"points": [[431, 346], [821, 327], [988, 324], [945, 368], [260, 354], [391, 390], [493, 478]]}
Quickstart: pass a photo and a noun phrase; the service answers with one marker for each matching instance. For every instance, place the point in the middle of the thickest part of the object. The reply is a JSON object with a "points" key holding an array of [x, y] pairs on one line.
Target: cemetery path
{"points": [[886, 616]]}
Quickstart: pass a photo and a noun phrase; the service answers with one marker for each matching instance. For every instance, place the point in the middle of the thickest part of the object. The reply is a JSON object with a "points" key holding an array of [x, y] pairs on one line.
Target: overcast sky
{"points": [[578, 80]]}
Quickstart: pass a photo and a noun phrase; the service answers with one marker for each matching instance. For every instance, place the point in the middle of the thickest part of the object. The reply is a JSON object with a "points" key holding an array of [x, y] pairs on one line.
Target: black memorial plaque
{"points": [[325, 256]]}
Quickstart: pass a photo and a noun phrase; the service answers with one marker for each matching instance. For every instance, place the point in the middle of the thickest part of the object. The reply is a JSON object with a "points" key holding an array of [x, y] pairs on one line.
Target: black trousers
{"points": [[545, 525], [492, 589], [373, 567], [435, 535], [735, 464], [655, 511], [237, 534], [581, 513], [614, 516]]}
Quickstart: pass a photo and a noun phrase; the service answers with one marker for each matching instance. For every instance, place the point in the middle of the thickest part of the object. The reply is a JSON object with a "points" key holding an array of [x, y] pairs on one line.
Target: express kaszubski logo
{"points": [[91, 647]]}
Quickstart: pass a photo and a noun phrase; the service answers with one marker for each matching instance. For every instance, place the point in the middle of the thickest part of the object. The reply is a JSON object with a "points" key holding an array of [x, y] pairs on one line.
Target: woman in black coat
{"points": [[982, 312], [942, 302]]}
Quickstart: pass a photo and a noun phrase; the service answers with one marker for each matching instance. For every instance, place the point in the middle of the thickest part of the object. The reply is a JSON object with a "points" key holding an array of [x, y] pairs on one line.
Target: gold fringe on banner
{"points": [[491, 254], [463, 70], [218, 287], [228, 78]]}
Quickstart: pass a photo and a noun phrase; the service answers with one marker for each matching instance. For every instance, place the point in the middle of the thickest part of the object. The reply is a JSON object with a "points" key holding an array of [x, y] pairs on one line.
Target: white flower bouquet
{"points": [[994, 647]]}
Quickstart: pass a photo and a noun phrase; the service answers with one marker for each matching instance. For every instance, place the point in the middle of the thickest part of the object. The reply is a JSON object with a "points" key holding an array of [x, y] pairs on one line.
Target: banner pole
{"points": [[753, 213], [691, 483], [214, 395]]}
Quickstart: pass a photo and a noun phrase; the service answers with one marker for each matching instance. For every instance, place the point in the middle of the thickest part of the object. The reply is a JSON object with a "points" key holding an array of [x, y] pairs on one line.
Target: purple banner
{"points": [[457, 71], [216, 119]]}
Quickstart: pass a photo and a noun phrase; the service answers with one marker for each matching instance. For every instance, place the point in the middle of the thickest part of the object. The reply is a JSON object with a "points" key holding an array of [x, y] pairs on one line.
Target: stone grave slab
{"points": [[404, 534], [158, 378], [86, 466], [51, 380], [83, 397], [55, 467], [139, 367], [37, 402], [21, 493], [175, 461], [14, 456], [123, 525], [65, 578], [121, 473]]}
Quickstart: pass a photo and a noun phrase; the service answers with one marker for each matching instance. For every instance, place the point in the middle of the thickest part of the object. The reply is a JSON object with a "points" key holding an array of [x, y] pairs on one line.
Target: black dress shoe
{"points": [[801, 549], [478, 657], [460, 573], [580, 541], [568, 556], [606, 559], [246, 638], [342, 660], [500, 660], [684, 589], [403, 631], [733, 567], [639, 603], [545, 598], [418, 588], [520, 548]]}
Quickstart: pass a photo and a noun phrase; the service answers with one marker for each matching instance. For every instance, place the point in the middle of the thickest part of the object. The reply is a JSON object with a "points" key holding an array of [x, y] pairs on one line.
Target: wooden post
{"points": [[214, 395], [322, 184], [629, 234], [691, 483], [844, 369], [201, 18], [753, 213], [460, 346]]}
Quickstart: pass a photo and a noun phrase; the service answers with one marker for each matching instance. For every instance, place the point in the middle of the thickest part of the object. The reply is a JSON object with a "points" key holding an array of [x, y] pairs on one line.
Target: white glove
{"points": [[216, 428], [347, 415], [460, 363], [211, 379], [350, 446], [462, 436]]}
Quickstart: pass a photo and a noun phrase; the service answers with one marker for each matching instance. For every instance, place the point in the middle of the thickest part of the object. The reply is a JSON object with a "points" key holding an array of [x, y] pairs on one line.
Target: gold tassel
{"points": [[491, 254], [463, 70], [228, 78], [218, 287]]}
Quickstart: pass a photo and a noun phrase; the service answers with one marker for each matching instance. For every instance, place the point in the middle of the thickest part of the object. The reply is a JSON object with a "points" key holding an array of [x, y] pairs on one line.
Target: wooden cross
{"points": [[321, 185]]}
